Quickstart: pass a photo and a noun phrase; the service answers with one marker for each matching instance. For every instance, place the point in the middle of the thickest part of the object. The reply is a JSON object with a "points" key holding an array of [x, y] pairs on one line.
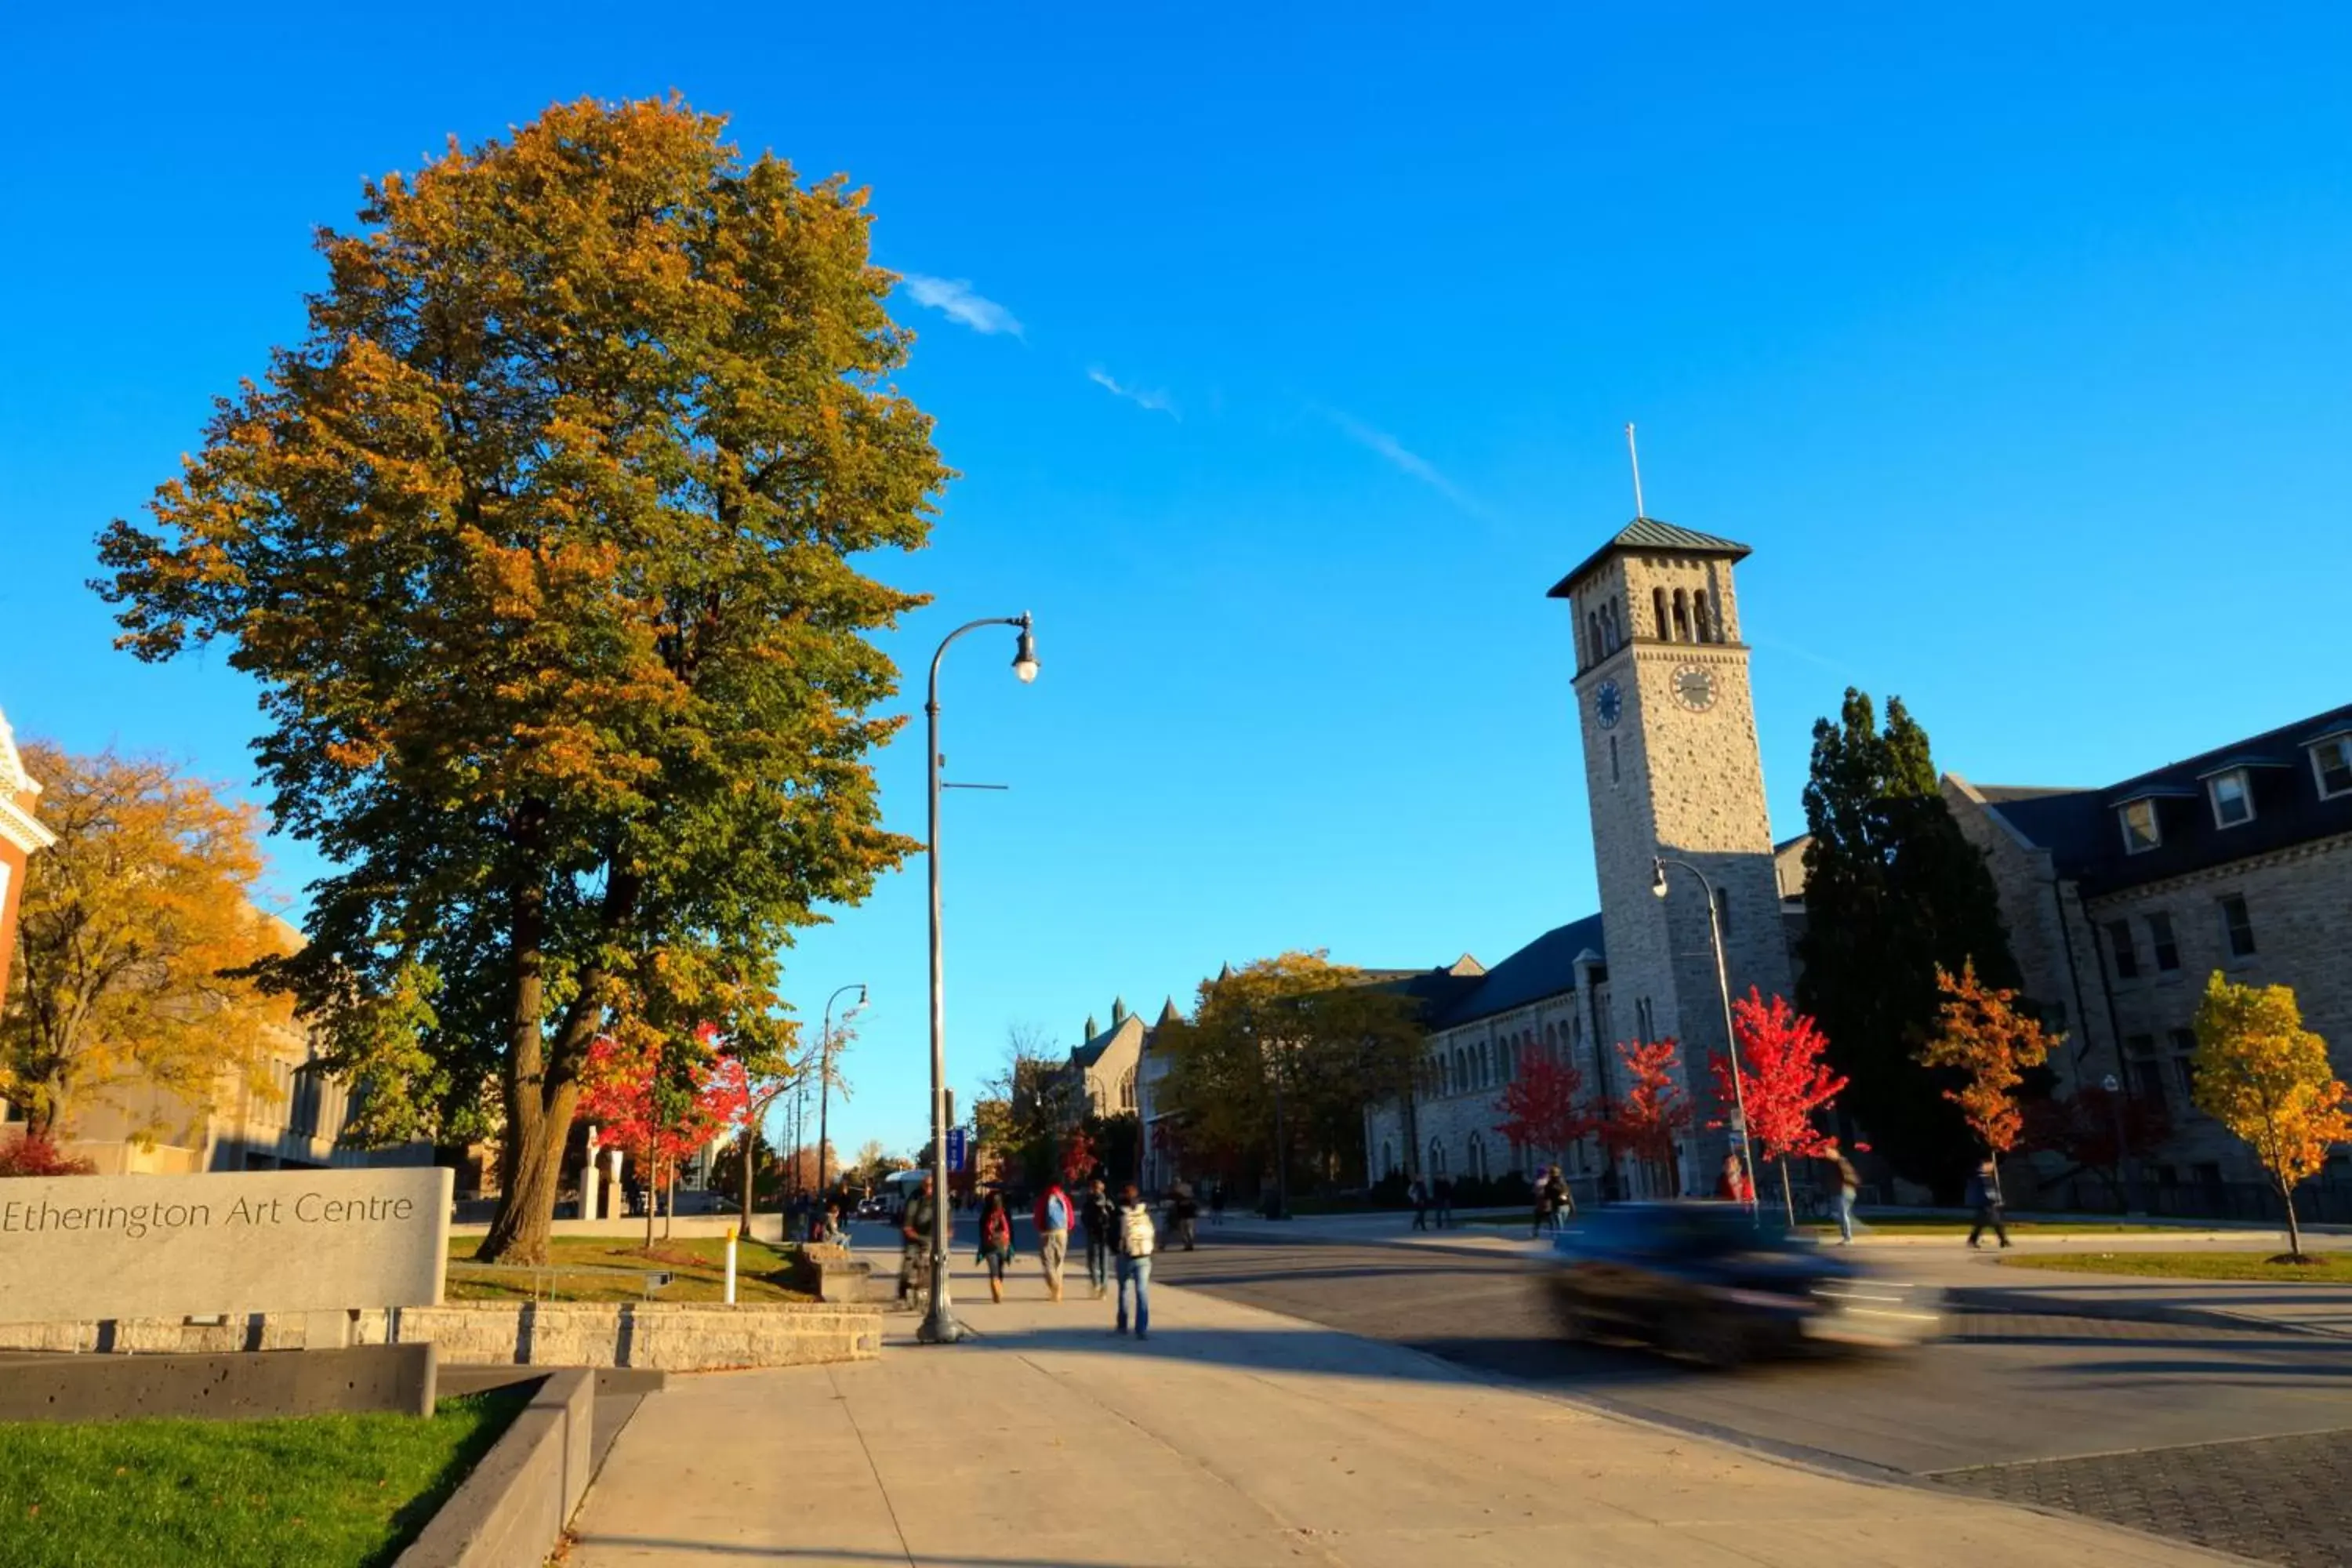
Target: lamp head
{"points": [[1024, 654], [1658, 877]]}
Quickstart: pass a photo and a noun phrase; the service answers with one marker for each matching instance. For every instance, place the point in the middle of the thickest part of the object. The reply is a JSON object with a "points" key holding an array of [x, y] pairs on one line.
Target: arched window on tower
{"points": [[1681, 617], [1551, 1042], [1612, 759], [1592, 637], [1700, 621], [1658, 602]]}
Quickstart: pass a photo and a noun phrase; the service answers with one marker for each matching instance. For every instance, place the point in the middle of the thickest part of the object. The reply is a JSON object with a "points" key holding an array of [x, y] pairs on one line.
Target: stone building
{"points": [[1672, 768], [2121, 901], [1102, 1068]]}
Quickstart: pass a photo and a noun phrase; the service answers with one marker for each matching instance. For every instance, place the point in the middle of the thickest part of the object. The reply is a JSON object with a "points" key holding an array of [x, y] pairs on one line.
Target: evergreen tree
{"points": [[1893, 891]]}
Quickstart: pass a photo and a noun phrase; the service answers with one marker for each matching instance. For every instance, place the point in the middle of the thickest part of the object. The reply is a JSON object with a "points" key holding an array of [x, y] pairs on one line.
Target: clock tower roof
{"points": [[1649, 536]]}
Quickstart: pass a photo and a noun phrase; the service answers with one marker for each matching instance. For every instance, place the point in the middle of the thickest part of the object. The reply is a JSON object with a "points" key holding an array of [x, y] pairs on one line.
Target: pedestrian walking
{"points": [[1417, 1195], [1542, 1205], [1733, 1186], [915, 1241], [1054, 1217], [1849, 1187], [1099, 1215], [1184, 1214], [995, 1242], [1217, 1203], [1444, 1202], [1136, 1241], [1563, 1201], [1984, 1196]]}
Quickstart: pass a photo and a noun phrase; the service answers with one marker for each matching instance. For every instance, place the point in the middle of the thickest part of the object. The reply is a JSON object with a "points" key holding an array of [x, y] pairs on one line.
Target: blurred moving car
{"points": [[1717, 1284]]}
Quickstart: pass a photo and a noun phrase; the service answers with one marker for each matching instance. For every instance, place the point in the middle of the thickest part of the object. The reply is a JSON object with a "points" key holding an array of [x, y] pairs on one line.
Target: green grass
{"points": [[699, 1263], [323, 1491], [2330, 1267]]}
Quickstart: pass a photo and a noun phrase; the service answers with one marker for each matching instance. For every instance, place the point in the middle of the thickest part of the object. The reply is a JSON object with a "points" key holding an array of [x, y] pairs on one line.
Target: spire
{"points": [[1091, 1030], [1225, 972], [1168, 1014], [1118, 1011]]}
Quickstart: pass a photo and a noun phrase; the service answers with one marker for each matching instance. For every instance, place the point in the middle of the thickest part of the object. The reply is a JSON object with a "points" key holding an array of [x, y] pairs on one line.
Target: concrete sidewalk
{"points": [[1233, 1438]]}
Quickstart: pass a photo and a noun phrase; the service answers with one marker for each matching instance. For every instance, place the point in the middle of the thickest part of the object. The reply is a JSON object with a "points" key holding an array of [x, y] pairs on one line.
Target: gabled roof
{"points": [[2078, 826], [1650, 536], [1545, 967]]}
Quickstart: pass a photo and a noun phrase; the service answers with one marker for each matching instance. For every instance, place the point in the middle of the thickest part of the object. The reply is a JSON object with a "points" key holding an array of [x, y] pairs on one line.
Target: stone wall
{"points": [[668, 1336]]}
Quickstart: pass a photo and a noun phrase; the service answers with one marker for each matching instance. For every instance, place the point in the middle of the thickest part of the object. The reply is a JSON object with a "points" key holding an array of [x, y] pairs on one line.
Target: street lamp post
{"points": [[825, 1073], [938, 1326], [1723, 993]]}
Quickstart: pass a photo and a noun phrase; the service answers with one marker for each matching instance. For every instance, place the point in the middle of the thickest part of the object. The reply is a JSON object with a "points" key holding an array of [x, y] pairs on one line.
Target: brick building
{"points": [[22, 837]]}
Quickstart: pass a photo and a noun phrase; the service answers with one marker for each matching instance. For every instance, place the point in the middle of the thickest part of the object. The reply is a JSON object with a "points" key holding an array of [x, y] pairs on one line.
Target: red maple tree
{"points": [[1782, 1079], [658, 1102], [2096, 1128], [1651, 1110], [1078, 1157], [1544, 1108]]}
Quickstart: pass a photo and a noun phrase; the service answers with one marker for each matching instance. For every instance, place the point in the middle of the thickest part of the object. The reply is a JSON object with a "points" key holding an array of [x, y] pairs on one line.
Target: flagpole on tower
{"points": [[1633, 456]]}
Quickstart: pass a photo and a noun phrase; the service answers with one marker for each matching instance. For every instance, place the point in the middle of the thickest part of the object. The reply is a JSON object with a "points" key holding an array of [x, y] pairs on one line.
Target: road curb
{"points": [[2003, 1299]]}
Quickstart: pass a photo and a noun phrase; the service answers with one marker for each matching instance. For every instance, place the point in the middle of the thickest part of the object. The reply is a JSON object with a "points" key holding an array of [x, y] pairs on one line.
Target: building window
{"points": [[2233, 800], [1551, 1041], [1699, 622], [2119, 943], [2140, 830], [2238, 926], [1436, 1157], [1658, 604], [1612, 759], [2184, 1072], [2183, 1041], [2331, 764], [1681, 617], [1388, 1157], [2160, 937], [1591, 636]]}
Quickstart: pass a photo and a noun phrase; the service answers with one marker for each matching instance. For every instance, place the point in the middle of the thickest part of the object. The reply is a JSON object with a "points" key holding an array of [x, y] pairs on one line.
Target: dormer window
{"points": [[2140, 830], [2232, 797], [2331, 765]]}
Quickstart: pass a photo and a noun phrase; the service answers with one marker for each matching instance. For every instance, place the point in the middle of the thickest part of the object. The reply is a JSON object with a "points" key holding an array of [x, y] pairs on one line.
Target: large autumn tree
{"points": [[1894, 892], [1991, 1043], [540, 546], [1784, 1083], [1321, 1039], [133, 936]]}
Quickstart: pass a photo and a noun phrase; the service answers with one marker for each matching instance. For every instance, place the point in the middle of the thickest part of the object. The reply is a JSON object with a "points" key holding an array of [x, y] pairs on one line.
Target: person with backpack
{"points": [[915, 1237], [1553, 1199], [1053, 1219], [995, 1242], [1136, 1241], [1417, 1194], [1099, 1215]]}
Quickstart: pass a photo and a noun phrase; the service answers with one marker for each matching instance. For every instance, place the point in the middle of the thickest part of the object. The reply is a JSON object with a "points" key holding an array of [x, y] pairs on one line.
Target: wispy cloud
{"points": [[1143, 397], [1401, 457], [954, 297]]}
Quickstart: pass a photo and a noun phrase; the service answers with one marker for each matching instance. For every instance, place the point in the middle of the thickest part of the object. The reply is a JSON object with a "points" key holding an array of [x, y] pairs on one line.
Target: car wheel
{"points": [[1710, 1339]]}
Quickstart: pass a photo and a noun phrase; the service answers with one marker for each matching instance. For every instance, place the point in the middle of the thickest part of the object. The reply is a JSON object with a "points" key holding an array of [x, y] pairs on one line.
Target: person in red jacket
{"points": [[1734, 1184], [1053, 1216]]}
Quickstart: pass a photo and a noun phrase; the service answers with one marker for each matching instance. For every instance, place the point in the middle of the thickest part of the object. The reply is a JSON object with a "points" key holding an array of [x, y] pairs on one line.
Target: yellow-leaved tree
{"points": [[129, 940], [2264, 1076]]}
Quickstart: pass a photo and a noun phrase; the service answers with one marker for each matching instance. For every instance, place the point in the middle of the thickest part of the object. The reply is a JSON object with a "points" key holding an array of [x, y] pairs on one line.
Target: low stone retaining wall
{"points": [[669, 1336], [512, 1510]]}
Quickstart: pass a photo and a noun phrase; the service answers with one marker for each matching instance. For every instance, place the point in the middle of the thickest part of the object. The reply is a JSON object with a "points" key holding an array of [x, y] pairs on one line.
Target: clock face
{"points": [[1695, 687], [1608, 704]]}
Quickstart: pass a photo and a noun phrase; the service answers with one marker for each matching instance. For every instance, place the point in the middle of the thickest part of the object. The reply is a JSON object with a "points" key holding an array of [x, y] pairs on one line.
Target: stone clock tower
{"points": [[1672, 767]]}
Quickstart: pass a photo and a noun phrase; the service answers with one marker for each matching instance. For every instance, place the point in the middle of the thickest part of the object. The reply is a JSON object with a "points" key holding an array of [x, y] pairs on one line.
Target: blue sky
{"points": [[1286, 362]]}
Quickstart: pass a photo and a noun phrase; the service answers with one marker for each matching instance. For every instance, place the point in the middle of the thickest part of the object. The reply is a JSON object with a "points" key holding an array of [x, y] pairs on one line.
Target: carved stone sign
{"points": [[76, 1248]]}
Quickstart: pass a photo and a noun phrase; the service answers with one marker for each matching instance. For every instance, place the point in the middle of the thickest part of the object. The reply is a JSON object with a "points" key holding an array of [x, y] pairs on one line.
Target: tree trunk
{"points": [[1788, 1201], [669, 1200], [750, 1144], [653, 1197], [2294, 1231]]}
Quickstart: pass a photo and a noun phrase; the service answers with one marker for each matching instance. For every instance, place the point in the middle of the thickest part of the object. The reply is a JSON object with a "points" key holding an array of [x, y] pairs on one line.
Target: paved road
{"points": [[2240, 1441]]}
